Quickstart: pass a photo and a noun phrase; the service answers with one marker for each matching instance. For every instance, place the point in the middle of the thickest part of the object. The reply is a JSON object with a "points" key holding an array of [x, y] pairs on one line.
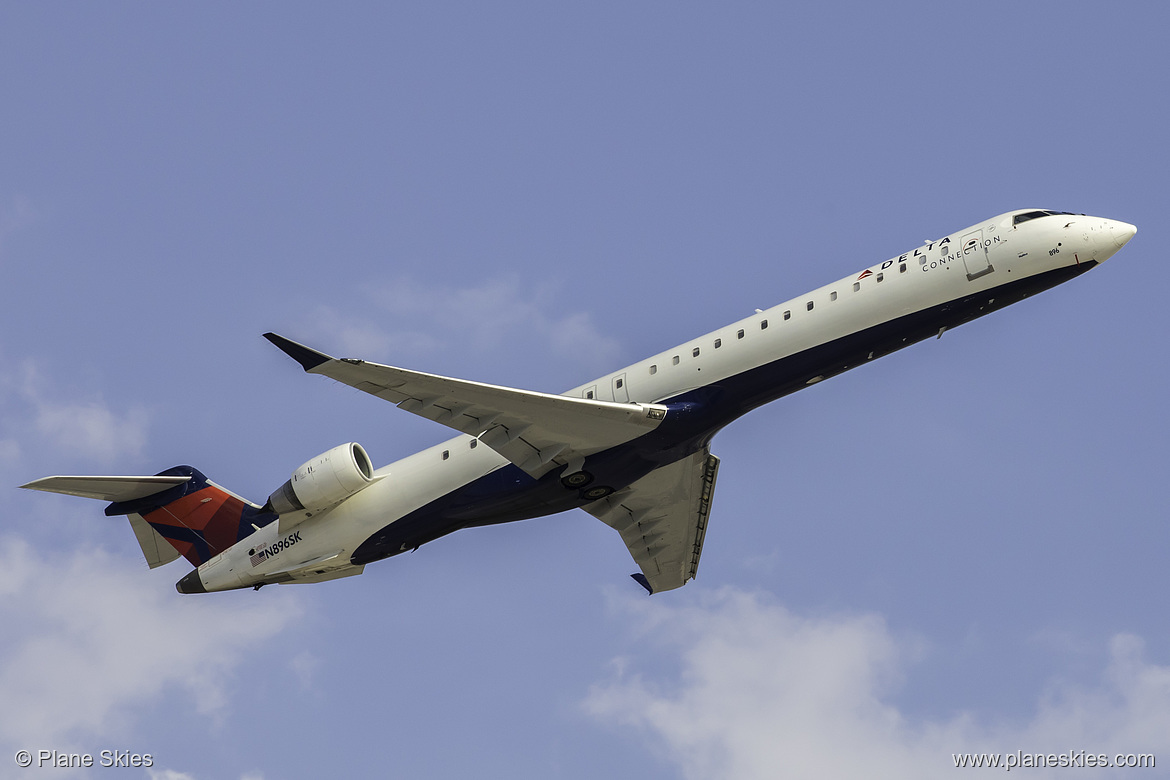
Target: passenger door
{"points": [[975, 255]]}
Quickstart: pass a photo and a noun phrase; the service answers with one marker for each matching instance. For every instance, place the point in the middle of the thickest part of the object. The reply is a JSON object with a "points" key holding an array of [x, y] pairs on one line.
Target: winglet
{"points": [[308, 358], [640, 578]]}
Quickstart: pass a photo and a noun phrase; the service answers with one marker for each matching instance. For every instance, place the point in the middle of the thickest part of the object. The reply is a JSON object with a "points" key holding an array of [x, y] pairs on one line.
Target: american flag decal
{"points": [[258, 556]]}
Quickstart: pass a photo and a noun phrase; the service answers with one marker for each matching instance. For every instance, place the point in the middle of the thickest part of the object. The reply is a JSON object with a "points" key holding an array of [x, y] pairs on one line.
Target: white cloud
{"points": [[85, 429], [761, 692], [170, 774], [1129, 710], [88, 644], [415, 319], [92, 430]]}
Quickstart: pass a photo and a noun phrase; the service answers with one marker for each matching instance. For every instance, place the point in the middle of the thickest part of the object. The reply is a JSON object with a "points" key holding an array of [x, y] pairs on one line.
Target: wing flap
{"points": [[536, 431], [662, 518]]}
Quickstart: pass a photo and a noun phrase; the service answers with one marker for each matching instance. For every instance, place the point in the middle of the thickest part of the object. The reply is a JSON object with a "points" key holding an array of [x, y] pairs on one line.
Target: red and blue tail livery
{"points": [[632, 448], [197, 517]]}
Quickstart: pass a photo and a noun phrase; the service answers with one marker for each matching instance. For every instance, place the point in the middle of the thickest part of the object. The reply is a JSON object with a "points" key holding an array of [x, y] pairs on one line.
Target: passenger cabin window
{"points": [[718, 343], [763, 324], [809, 305], [674, 360], [880, 277], [619, 383], [902, 268], [695, 352], [653, 369], [856, 286], [589, 395], [474, 443], [833, 296], [787, 315], [446, 454], [739, 334]]}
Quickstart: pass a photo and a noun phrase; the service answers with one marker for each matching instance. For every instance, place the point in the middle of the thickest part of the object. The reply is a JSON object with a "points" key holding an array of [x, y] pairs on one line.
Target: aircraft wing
{"points": [[662, 518], [536, 431]]}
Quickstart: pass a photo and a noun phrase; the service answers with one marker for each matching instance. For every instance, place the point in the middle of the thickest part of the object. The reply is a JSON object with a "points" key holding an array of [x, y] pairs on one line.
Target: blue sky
{"points": [[958, 548]]}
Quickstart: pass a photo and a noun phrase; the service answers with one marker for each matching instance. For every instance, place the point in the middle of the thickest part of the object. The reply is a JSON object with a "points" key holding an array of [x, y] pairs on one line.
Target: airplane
{"points": [[631, 448]]}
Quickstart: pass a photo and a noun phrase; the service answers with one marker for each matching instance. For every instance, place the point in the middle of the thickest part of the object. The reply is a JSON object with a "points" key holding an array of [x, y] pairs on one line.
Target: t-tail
{"points": [[176, 512]]}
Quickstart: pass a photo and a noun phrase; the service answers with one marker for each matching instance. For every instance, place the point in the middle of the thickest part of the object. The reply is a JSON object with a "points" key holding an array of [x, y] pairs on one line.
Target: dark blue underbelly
{"points": [[509, 494]]}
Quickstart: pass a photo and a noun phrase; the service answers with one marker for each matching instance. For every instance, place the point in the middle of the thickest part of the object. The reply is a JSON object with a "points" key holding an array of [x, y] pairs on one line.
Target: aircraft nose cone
{"points": [[191, 583], [1122, 233]]}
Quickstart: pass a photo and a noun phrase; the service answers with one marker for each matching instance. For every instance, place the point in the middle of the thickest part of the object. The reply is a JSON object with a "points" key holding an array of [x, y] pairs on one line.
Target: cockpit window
{"points": [[1027, 215], [1018, 218]]}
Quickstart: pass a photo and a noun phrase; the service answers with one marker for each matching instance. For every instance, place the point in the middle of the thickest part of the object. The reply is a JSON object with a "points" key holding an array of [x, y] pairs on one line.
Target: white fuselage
{"points": [[969, 269]]}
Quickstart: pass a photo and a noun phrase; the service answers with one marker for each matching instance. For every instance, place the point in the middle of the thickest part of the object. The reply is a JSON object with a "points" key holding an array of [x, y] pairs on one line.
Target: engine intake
{"points": [[324, 481]]}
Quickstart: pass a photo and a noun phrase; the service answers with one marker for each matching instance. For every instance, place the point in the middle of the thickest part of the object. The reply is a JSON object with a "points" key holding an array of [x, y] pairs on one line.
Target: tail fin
{"points": [[179, 506]]}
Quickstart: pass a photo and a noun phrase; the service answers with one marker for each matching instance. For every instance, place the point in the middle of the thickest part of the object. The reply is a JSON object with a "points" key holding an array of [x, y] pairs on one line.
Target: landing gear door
{"points": [[975, 255]]}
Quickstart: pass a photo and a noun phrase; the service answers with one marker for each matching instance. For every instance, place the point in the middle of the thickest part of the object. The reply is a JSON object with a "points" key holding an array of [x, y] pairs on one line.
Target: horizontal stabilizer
{"points": [[106, 488], [178, 508]]}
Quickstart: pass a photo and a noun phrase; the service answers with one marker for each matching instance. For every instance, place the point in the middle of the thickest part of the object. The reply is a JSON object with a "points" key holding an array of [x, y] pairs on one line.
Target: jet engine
{"points": [[324, 481]]}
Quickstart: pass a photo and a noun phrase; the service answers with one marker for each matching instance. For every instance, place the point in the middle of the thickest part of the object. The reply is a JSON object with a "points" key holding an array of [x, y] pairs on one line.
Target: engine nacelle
{"points": [[325, 480]]}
